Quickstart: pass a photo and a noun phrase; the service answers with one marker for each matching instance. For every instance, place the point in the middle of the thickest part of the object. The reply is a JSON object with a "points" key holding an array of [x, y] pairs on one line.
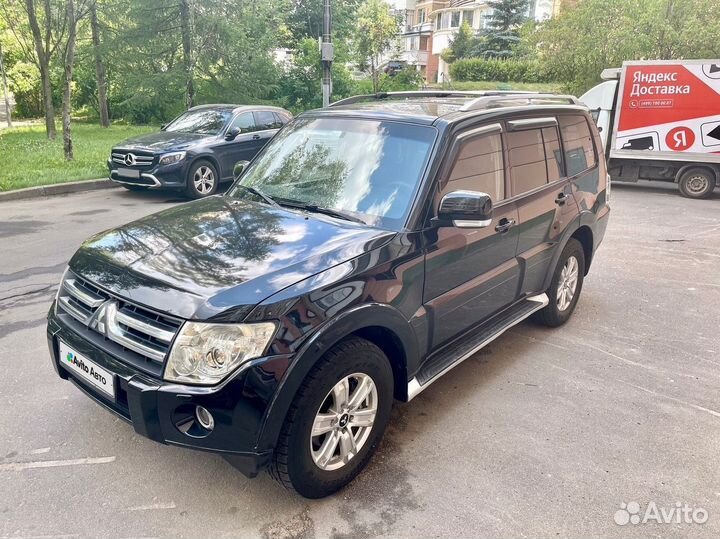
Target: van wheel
{"points": [[202, 180], [697, 183], [565, 287], [336, 421]]}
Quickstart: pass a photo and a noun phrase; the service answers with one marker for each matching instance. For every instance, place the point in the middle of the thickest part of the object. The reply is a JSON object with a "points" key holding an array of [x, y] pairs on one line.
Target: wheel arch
{"points": [[714, 170], [581, 229], [380, 324], [203, 157]]}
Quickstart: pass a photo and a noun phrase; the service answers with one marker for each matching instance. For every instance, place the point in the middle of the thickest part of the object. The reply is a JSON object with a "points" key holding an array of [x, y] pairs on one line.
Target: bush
{"points": [[478, 69]]}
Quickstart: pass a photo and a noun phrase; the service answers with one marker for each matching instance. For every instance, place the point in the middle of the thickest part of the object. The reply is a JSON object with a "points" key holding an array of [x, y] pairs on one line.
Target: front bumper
{"points": [[166, 176], [156, 408]]}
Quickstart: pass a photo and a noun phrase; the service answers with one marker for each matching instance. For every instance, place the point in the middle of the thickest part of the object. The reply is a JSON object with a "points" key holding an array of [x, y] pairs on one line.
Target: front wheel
{"points": [[202, 180], [336, 420], [565, 286], [697, 183]]}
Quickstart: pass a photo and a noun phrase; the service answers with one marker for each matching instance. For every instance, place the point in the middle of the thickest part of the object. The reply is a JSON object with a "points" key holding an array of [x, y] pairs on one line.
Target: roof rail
{"points": [[425, 93], [520, 99]]}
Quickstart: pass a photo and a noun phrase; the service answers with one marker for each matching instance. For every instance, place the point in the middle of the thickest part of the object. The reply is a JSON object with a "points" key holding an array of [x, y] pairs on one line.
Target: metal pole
{"points": [[326, 53]]}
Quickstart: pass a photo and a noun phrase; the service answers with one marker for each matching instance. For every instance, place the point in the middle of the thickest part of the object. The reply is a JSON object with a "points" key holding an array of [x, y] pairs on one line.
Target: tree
{"points": [[100, 78], [502, 32], [597, 34], [46, 42], [72, 18], [463, 45], [6, 96], [376, 30]]}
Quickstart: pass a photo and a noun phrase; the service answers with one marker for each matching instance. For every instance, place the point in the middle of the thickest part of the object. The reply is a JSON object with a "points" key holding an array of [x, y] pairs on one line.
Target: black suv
{"points": [[197, 150], [370, 248]]}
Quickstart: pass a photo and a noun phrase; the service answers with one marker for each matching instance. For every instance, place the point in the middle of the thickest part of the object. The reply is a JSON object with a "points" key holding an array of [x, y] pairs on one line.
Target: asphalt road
{"points": [[543, 434]]}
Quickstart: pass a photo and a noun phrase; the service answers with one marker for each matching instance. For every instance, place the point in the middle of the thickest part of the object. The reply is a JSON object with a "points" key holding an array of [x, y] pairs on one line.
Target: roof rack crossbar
{"points": [[427, 93], [524, 98]]}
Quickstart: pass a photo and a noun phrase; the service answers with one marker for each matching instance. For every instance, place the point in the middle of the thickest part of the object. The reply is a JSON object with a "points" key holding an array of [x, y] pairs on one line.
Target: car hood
{"points": [[217, 258], [162, 141]]}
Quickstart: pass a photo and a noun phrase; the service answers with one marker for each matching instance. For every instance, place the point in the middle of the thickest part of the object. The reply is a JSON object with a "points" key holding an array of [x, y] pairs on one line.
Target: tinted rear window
{"points": [[577, 143]]}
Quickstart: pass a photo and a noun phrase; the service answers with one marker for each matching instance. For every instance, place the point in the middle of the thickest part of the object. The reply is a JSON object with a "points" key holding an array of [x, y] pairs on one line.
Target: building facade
{"points": [[429, 26]]}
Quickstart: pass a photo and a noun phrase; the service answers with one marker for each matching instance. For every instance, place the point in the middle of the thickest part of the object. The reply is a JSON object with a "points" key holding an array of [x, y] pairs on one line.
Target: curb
{"points": [[57, 189]]}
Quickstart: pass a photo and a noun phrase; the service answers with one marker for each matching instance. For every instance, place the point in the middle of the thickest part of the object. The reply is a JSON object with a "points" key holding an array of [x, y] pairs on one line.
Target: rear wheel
{"points": [[202, 180], [565, 286], [336, 420], [697, 183]]}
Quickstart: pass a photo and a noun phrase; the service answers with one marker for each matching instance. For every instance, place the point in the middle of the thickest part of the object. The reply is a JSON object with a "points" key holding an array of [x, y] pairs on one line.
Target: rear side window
{"points": [[578, 144], [553, 153], [528, 170], [479, 167], [266, 120], [280, 119]]}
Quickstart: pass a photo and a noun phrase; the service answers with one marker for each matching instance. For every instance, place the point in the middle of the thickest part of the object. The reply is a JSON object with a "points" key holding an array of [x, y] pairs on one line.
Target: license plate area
{"points": [[87, 370], [128, 173]]}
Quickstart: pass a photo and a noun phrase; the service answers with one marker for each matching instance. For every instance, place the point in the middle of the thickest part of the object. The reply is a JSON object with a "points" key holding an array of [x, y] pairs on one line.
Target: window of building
{"points": [[424, 42], [577, 143], [528, 170], [421, 16], [479, 167], [468, 17], [455, 19]]}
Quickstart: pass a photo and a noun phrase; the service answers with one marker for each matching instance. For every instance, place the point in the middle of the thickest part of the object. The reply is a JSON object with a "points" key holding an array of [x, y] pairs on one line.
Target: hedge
{"points": [[478, 69]]}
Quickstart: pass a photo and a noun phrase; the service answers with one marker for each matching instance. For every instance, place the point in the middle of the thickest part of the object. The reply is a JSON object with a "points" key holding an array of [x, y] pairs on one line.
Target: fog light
{"points": [[204, 418]]}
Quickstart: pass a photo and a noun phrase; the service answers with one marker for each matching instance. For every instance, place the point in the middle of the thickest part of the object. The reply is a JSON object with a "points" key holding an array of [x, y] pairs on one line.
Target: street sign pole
{"points": [[326, 53]]}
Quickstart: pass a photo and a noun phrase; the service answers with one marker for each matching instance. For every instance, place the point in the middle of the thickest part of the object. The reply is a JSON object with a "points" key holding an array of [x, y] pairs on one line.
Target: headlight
{"points": [[170, 158], [207, 353]]}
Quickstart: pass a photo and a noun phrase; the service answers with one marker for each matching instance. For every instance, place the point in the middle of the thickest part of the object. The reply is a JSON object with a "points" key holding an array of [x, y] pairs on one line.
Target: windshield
{"points": [[203, 122], [365, 168]]}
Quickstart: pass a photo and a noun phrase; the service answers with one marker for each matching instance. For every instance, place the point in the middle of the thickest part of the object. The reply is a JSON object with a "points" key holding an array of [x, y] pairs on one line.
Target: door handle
{"points": [[561, 199], [256, 137], [504, 225]]}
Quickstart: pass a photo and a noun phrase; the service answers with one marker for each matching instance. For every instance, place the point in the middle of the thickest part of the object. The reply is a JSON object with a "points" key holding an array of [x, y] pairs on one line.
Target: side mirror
{"points": [[239, 168], [232, 133], [466, 209]]}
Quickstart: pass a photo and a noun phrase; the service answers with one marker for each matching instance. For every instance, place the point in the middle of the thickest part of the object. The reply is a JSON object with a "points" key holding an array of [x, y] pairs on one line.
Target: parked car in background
{"points": [[197, 150], [370, 248]]}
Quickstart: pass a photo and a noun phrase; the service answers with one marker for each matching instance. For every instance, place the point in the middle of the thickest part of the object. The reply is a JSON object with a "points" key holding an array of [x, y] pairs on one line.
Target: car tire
{"points": [[135, 188], [565, 287], [311, 465], [697, 183], [202, 180]]}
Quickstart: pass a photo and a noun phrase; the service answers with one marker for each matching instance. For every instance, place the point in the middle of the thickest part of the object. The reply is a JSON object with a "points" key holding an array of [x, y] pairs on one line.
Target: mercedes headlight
{"points": [[171, 158], [208, 353]]}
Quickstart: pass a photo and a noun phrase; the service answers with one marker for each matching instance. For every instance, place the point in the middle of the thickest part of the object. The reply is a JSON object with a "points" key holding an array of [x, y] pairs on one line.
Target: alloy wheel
{"points": [[567, 284], [344, 421], [204, 180]]}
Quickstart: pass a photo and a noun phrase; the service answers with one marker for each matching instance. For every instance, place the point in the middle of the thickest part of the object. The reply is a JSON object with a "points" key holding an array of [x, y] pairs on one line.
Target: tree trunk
{"points": [[44, 67], [5, 90], [99, 68], [67, 89], [186, 26]]}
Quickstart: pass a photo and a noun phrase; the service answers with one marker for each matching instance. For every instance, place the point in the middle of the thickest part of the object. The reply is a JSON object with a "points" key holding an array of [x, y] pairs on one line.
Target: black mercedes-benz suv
{"points": [[370, 248], [197, 150]]}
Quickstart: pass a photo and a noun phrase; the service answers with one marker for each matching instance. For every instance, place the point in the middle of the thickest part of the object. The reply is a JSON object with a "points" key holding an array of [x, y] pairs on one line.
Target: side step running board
{"points": [[463, 349]]}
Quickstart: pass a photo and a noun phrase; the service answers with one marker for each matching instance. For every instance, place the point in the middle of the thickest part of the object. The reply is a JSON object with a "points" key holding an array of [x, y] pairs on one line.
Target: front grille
{"points": [[134, 328], [138, 159]]}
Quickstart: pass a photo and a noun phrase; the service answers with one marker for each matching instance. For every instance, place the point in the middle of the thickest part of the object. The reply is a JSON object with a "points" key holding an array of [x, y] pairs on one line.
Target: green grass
{"points": [[550, 87], [30, 159]]}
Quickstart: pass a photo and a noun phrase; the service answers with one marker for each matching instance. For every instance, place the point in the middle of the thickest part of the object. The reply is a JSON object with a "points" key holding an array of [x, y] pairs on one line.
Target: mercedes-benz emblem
{"points": [[129, 159]]}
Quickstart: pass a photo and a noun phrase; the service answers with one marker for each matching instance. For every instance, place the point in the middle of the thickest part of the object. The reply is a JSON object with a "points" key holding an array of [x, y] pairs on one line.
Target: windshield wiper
{"points": [[313, 208], [257, 192]]}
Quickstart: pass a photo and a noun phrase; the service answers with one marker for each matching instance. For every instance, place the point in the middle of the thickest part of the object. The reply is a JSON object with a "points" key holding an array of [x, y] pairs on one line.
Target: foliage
{"points": [[597, 34], [462, 45], [376, 30], [517, 70], [501, 34], [39, 161]]}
